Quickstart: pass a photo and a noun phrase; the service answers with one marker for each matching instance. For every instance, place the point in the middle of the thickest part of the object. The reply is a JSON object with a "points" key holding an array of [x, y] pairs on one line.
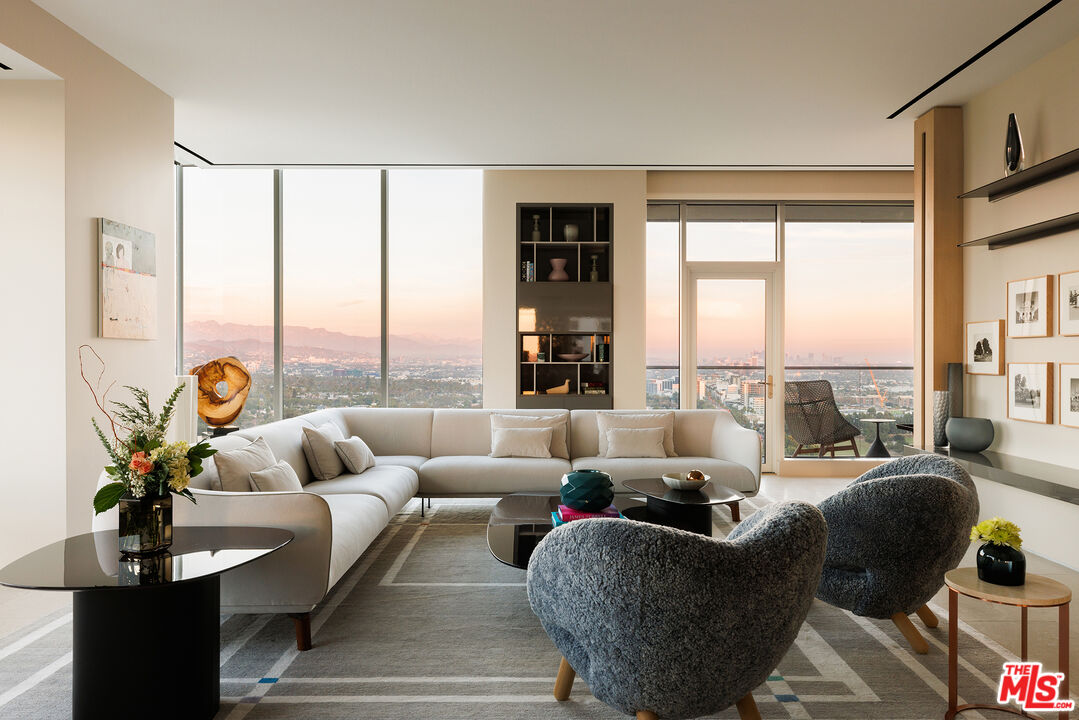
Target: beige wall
{"points": [[502, 190], [763, 185], [32, 294], [118, 164], [1044, 99]]}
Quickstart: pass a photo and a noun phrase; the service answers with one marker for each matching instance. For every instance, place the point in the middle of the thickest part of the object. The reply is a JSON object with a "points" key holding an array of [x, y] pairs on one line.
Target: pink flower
{"points": [[140, 463]]}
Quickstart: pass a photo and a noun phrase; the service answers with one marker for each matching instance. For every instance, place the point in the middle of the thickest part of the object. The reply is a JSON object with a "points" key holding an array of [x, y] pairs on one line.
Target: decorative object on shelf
{"points": [[562, 389], [223, 387], [536, 236], [572, 357], [692, 480], [942, 403], [558, 270], [1069, 394], [593, 388], [587, 490], [528, 271], [1030, 392], [127, 280], [593, 274], [570, 232], [541, 356], [955, 389], [1068, 305], [1030, 307], [969, 434], [1000, 560], [603, 349], [145, 469], [1013, 147], [985, 348]]}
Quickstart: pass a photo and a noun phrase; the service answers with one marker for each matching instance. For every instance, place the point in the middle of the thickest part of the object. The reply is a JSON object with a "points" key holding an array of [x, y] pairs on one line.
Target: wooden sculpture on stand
{"points": [[223, 387]]}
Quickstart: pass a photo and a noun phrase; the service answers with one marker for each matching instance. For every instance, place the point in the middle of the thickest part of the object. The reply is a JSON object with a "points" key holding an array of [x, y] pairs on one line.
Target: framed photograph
{"points": [[1030, 307], [985, 348], [127, 277], [1069, 394], [1068, 305], [1030, 392]]}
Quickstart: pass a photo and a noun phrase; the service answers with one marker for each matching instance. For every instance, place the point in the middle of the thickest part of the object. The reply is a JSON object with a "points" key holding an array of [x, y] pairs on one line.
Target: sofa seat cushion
{"points": [[409, 461], [480, 474], [723, 472], [395, 485], [355, 520]]}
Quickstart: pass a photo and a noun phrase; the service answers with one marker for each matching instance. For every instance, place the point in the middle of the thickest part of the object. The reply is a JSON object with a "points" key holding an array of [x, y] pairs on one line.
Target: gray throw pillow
{"points": [[321, 455], [276, 478], [235, 466], [355, 454]]}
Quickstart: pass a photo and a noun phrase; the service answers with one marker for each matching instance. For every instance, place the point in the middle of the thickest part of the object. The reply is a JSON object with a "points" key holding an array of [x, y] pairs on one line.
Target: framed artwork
{"points": [[127, 281], [985, 348], [1069, 394], [1030, 307], [1068, 304], [1030, 392]]}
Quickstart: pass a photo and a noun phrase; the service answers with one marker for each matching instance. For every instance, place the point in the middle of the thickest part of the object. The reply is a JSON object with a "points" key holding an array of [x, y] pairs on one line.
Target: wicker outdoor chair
{"points": [[814, 420]]}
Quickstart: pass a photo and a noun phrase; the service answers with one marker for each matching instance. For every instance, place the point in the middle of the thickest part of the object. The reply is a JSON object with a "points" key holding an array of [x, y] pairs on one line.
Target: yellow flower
{"points": [[997, 531]]}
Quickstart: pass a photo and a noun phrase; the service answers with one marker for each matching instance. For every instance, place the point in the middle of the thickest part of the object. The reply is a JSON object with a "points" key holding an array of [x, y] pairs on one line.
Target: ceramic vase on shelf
{"points": [[535, 229], [570, 232], [593, 274], [558, 270], [1013, 147], [1001, 564], [969, 434], [941, 410], [145, 524]]}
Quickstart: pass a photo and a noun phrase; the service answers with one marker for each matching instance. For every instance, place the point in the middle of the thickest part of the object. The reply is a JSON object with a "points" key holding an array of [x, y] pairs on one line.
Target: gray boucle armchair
{"points": [[670, 624], [892, 534]]}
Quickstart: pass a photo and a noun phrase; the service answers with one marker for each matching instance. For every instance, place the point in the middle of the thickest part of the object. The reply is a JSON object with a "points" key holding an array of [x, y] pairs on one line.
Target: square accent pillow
{"points": [[605, 421], [276, 478], [235, 466], [560, 423], [321, 455], [635, 443], [355, 454], [521, 442]]}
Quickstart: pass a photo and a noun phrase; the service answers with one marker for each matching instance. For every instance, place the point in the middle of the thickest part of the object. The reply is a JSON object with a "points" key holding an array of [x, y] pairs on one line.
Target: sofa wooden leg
{"points": [[736, 514], [302, 621], [917, 642], [564, 682], [646, 715], [927, 616], [747, 708]]}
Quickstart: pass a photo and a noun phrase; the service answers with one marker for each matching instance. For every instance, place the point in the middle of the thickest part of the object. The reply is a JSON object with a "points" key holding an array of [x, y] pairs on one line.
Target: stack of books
{"points": [[565, 514], [528, 271], [593, 388]]}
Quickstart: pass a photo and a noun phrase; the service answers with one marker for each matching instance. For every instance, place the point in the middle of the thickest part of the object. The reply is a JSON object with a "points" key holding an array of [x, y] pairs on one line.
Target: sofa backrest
{"points": [[467, 431], [389, 431], [692, 431]]}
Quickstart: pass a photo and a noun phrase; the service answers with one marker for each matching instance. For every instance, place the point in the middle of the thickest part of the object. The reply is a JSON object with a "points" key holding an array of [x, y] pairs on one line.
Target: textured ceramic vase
{"points": [[587, 490], [941, 407], [969, 434], [558, 270], [1013, 147], [1001, 565]]}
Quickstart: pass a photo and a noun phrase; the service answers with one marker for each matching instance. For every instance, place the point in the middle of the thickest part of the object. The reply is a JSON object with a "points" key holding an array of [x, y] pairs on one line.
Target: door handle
{"points": [[767, 382]]}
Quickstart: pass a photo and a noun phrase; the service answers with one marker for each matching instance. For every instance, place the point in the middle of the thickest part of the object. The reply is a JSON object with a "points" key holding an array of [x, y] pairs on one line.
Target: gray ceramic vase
{"points": [[941, 411], [969, 434]]}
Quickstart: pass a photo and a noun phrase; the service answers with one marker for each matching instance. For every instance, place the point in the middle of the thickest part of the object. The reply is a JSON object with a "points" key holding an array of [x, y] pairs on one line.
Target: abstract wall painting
{"points": [[127, 282]]}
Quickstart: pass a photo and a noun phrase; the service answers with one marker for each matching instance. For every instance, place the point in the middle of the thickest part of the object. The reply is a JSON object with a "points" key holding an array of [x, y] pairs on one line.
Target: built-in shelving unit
{"points": [[564, 323]]}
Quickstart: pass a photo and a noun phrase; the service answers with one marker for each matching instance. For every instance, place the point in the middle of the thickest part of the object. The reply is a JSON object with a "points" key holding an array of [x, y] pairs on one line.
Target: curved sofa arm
{"points": [[294, 578], [731, 441]]}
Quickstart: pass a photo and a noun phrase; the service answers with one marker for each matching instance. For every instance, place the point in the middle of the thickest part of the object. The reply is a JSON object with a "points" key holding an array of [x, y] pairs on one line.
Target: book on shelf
{"points": [[528, 271], [566, 513]]}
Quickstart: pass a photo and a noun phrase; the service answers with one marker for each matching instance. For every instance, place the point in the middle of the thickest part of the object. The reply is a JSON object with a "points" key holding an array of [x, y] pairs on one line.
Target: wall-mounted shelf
{"points": [[1033, 176], [1028, 233]]}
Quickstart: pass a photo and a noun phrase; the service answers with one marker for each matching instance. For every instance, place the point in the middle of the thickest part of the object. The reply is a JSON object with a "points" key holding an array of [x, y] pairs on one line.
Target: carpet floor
{"points": [[429, 625]]}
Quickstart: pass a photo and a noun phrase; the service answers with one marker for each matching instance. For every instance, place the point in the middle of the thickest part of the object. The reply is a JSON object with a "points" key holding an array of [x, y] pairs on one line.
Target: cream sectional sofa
{"points": [[425, 453]]}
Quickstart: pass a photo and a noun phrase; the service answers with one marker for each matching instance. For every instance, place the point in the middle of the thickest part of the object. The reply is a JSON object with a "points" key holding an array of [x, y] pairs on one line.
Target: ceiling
{"points": [[725, 83]]}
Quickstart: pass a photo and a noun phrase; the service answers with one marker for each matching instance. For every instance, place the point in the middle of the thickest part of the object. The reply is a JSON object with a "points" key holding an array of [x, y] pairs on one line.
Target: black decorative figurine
{"points": [[1013, 147]]}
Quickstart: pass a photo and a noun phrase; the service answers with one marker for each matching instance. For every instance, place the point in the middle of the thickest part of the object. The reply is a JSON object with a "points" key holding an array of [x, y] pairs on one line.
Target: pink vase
{"points": [[558, 270]]}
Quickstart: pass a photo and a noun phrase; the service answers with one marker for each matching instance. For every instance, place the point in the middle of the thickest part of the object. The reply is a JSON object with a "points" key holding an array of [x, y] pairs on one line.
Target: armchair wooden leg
{"points": [[917, 642], [303, 630], [564, 682], [747, 708], [736, 514], [646, 715], [927, 616]]}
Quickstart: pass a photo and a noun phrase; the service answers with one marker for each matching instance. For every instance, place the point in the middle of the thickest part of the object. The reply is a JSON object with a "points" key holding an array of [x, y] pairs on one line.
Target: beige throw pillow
{"points": [[276, 478], [235, 466], [355, 454], [635, 443], [321, 455], [559, 445], [521, 442], [605, 421]]}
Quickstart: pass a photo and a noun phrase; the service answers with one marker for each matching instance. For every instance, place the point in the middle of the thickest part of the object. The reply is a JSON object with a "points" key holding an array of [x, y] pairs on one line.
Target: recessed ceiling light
{"points": [[4, 67]]}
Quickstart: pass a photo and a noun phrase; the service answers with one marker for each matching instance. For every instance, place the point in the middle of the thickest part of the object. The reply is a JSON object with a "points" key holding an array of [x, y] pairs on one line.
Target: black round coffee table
{"points": [[146, 631], [684, 509]]}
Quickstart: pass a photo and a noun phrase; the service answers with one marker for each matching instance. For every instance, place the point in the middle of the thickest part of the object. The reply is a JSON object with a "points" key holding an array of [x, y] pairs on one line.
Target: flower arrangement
{"points": [[143, 464], [997, 531]]}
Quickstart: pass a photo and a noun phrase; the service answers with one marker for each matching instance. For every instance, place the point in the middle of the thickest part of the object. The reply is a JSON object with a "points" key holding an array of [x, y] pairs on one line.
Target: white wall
{"points": [[33, 481], [502, 190], [118, 151]]}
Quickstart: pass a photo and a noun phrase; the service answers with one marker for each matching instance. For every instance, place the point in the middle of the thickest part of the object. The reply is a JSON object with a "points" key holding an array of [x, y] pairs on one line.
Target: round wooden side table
{"points": [[1039, 591]]}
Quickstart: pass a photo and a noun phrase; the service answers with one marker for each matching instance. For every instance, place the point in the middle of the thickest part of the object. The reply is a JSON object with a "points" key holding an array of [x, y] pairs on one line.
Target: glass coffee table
{"points": [[685, 509]]}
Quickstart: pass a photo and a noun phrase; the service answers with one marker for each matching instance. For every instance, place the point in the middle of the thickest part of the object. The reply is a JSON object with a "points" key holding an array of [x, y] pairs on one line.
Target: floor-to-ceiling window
{"points": [[661, 305], [311, 243]]}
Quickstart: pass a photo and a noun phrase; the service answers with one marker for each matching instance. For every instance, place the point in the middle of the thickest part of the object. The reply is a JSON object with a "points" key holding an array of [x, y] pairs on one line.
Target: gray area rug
{"points": [[429, 625]]}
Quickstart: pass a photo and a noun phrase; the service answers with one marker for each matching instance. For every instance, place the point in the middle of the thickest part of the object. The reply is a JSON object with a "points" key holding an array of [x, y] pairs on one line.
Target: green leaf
{"points": [[189, 495], [201, 450], [110, 470], [108, 496]]}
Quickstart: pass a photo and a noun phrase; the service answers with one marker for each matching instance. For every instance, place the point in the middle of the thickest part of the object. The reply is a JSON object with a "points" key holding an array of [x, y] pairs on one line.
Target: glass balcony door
{"points": [[730, 358]]}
